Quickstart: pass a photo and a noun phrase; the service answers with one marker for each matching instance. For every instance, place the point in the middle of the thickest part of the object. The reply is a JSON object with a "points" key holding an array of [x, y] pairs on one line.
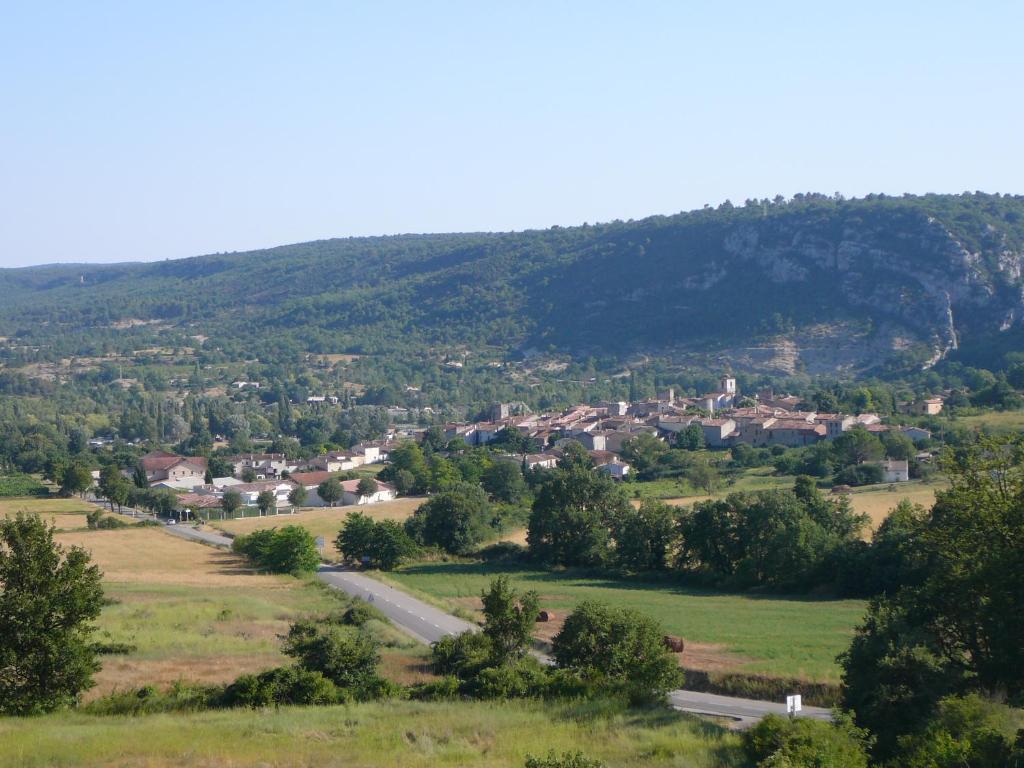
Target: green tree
{"points": [[703, 476], [75, 479], [367, 486], [390, 544], [855, 446], [330, 491], [620, 645], [344, 655], [778, 742], [644, 537], [297, 496], [570, 519], [691, 438], [956, 627], [509, 619], [455, 520], [49, 597], [353, 540], [503, 480], [266, 501], [293, 550], [231, 502]]}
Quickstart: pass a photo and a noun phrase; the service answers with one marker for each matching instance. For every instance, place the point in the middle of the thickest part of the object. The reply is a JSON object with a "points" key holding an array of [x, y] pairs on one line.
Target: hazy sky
{"points": [[145, 130]]}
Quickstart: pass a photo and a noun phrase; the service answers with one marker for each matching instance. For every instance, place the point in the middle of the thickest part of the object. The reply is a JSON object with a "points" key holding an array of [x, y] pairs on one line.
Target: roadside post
{"points": [[793, 705]]}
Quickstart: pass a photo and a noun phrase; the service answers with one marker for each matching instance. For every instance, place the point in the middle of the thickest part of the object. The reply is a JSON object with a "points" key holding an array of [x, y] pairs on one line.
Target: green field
{"points": [[679, 489], [995, 421], [776, 636], [379, 735]]}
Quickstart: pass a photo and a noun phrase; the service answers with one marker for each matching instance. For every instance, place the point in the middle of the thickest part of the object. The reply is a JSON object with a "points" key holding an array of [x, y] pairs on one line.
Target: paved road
{"points": [[429, 624]]}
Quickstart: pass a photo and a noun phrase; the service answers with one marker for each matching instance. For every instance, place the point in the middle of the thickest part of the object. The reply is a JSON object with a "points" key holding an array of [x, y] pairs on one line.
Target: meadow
{"points": [[777, 636], [64, 514], [395, 734], [200, 614], [322, 521]]}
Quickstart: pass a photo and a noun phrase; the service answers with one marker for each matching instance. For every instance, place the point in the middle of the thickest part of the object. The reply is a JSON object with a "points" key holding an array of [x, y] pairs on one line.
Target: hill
{"points": [[814, 284]]}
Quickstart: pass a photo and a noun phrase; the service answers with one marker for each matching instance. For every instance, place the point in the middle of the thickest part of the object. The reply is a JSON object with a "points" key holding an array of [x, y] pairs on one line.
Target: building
{"points": [[350, 495], [717, 432], [310, 481], [617, 469], [264, 465], [916, 433], [160, 465], [894, 470], [930, 406], [337, 461]]}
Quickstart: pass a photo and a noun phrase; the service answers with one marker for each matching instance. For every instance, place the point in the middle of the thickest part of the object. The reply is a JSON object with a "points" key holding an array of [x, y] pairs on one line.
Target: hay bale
{"points": [[546, 616], [673, 643]]}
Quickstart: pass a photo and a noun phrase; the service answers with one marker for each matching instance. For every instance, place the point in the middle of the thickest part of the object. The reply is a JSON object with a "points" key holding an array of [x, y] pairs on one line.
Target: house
{"points": [[250, 491], [916, 433], [245, 385], [350, 493], [674, 423], [373, 452], [930, 406], [894, 470], [486, 432], [337, 461], [716, 401], [617, 468], [310, 481], [532, 460], [615, 407], [264, 465], [717, 432], [160, 465]]}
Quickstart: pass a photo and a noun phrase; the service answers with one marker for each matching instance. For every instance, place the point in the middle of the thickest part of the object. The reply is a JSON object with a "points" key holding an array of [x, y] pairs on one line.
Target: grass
{"points": [[382, 735], [777, 636], [322, 521], [877, 501], [197, 613], [64, 514], [679, 491], [995, 421]]}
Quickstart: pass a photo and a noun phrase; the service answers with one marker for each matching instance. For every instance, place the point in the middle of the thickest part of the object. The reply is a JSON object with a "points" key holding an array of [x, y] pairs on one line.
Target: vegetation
{"points": [[49, 597], [289, 550]]}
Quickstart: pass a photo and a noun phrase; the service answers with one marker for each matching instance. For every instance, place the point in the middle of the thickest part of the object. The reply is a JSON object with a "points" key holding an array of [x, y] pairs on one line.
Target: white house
{"points": [[916, 433], [351, 496], [617, 469]]}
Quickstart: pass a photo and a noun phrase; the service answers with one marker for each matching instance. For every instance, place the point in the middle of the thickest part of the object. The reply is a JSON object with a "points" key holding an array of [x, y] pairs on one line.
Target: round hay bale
{"points": [[546, 616], [673, 643]]}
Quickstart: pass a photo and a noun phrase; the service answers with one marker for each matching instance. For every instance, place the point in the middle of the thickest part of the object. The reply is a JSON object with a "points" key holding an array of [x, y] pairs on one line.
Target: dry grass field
{"points": [[64, 514], [876, 501], [322, 521], [197, 613]]}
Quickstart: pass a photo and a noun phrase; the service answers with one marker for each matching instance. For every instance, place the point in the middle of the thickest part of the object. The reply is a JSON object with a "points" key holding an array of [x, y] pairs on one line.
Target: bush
{"points": [[511, 681], [343, 655], [149, 700], [22, 485], [782, 741], [289, 550], [445, 689], [461, 655], [621, 645], [566, 760], [861, 474], [282, 685], [361, 612], [503, 552]]}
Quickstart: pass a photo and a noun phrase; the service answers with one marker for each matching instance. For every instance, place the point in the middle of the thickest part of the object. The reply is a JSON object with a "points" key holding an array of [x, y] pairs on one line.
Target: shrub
{"points": [[282, 685], [566, 760], [445, 689], [619, 644], [149, 700], [509, 681], [289, 550], [343, 655], [461, 655], [783, 741], [361, 612]]}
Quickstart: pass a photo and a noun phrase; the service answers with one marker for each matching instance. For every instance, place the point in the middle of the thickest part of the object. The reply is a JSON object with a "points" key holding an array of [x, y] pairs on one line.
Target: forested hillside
{"points": [[814, 283]]}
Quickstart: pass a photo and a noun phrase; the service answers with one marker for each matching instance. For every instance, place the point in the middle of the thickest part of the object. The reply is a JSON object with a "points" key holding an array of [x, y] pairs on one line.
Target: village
{"points": [[724, 419]]}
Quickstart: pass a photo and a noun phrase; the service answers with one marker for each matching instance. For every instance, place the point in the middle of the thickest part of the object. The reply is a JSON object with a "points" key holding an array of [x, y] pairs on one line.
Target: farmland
{"points": [[394, 734], [770, 635], [199, 614]]}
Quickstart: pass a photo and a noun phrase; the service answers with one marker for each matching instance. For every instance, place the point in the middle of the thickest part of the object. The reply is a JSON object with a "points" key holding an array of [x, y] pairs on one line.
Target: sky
{"points": [[143, 131]]}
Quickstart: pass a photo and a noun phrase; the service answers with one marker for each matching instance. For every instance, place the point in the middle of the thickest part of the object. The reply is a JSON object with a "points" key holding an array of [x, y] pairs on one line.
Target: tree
{"points": [[139, 477], [704, 476], [503, 480], [343, 655], [48, 598], [570, 519], [644, 537], [405, 482], [353, 540], [390, 544], [266, 501], [691, 438], [620, 645], [297, 496], [330, 491], [367, 487], [509, 618], [855, 446], [293, 550], [643, 452], [956, 627], [231, 502], [110, 478], [455, 520], [248, 475], [75, 479], [208, 477], [779, 741]]}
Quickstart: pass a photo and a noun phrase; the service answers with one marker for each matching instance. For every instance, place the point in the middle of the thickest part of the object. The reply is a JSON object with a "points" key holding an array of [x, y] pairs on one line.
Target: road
{"points": [[429, 624]]}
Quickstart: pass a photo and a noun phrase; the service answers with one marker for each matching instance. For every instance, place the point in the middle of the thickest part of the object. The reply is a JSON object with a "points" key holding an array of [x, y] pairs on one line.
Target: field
{"points": [[776, 636], [379, 735], [678, 490], [878, 500], [64, 514], [322, 521], [995, 421], [197, 613]]}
